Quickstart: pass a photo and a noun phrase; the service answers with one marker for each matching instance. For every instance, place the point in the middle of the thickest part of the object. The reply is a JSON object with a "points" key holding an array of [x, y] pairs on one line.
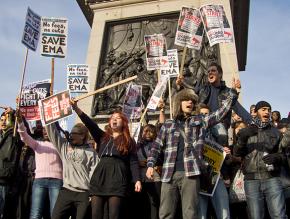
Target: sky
{"points": [[267, 74]]}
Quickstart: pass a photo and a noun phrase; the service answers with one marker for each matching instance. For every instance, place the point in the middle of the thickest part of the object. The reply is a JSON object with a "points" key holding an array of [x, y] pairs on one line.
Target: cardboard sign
{"points": [[156, 51], [31, 31], [157, 94], [189, 29], [216, 24], [55, 107], [30, 96], [132, 105], [54, 37], [78, 78], [172, 69]]}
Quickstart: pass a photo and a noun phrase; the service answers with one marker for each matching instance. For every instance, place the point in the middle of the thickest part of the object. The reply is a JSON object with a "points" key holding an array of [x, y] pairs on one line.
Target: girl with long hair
{"points": [[118, 163]]}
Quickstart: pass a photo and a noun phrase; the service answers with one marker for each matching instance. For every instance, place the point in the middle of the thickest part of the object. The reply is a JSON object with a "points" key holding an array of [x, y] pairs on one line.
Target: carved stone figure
{"points": [[124, 57]]}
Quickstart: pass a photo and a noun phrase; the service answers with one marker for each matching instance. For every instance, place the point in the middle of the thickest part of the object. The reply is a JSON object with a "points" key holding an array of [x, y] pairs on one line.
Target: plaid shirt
{"points": [[195, 133]]}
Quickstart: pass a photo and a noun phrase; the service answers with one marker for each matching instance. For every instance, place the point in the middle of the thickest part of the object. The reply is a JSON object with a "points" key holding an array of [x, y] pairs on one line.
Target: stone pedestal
{"points": [[126, 10]]}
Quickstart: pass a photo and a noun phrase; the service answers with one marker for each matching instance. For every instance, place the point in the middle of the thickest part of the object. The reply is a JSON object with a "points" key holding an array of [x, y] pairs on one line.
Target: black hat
{"points": [[262, 104]]}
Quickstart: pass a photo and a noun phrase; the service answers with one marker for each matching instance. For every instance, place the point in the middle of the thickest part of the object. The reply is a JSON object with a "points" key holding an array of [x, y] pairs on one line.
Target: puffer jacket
{"points": [[265, 141]]}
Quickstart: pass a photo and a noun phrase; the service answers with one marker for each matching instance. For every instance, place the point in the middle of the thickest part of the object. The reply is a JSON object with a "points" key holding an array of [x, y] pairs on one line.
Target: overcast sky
{"points": [[267, 75]]}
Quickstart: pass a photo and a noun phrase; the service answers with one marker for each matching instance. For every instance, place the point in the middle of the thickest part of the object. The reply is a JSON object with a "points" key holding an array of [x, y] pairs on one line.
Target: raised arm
{"points": [[242, 112], [25, 137], [93, 127], [55, 137], [217, 116]]}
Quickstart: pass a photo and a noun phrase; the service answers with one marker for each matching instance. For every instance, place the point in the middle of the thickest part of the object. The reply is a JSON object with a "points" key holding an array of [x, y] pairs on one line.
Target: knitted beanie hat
{"points": [[262, 104]]}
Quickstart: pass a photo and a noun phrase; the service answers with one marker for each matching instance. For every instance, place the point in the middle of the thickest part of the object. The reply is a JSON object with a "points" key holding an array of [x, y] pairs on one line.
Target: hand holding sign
{"points": [[236, 84], [18, 116], [74, 104], [179, 80]]}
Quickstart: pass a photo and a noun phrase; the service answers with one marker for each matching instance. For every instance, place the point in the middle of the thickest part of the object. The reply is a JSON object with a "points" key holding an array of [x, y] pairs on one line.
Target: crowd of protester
{"points": [[50, 173]]}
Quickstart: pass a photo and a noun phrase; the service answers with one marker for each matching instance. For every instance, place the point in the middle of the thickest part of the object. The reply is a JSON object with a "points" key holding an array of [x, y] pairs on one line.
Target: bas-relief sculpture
{"points": [[124, 56]]}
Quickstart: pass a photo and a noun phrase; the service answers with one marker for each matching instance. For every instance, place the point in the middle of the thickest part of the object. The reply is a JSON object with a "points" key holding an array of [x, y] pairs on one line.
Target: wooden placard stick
{"points": [[52, 76], [170, 101], [182, 61], [158, 75], [105, 88], [20, 89]]}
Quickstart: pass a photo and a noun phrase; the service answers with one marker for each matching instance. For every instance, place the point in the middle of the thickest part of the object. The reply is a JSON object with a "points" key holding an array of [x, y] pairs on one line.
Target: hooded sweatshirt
{"points": [[78, 162]]}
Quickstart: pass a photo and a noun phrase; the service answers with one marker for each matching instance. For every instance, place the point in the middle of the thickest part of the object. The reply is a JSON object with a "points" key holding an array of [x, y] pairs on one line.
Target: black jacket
{"points": [[10, 149], [266, 140]]}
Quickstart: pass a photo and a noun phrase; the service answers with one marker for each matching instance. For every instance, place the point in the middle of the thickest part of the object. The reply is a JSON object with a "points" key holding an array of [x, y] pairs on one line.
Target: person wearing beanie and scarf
{"points": [[258, 145], [181, 140]]}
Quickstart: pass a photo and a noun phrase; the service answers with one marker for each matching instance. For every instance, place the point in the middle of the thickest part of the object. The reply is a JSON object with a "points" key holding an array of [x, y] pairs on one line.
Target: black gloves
{"points": [[273, 158], [245, 133]]}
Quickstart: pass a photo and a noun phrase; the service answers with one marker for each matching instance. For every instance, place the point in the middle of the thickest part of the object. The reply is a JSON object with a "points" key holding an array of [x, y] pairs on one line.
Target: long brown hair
{"points": [[123, 141]]}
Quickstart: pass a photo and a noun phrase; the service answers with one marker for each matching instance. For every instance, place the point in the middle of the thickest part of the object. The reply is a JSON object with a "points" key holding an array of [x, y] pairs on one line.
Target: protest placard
{"points": [[213, 156], [157, 94], [78, 78], [132, 105], [156, 51], [189, 29], [31, 31], [55, 107], [216, 24], [172, 69], [135, 128], [54, 37], [30, 95]]}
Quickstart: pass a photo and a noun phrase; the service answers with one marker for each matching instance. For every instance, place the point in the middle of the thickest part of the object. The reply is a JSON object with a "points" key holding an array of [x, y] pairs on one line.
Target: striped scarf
{"points": [[257, 122]]}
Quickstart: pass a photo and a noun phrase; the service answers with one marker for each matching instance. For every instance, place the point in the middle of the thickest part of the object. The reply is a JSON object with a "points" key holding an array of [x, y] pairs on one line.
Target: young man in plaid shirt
{"points": [[181, 140]]}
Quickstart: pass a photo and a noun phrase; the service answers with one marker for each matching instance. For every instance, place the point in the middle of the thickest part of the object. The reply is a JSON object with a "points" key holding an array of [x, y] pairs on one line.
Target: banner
{"points": [[54, 37], [216, 24], [78, 78], [189, 29], [31, 31], [30, 96], [213, 155], [55, 107], [156, 51], [132, 105], [157, 94], [172, 69]]}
